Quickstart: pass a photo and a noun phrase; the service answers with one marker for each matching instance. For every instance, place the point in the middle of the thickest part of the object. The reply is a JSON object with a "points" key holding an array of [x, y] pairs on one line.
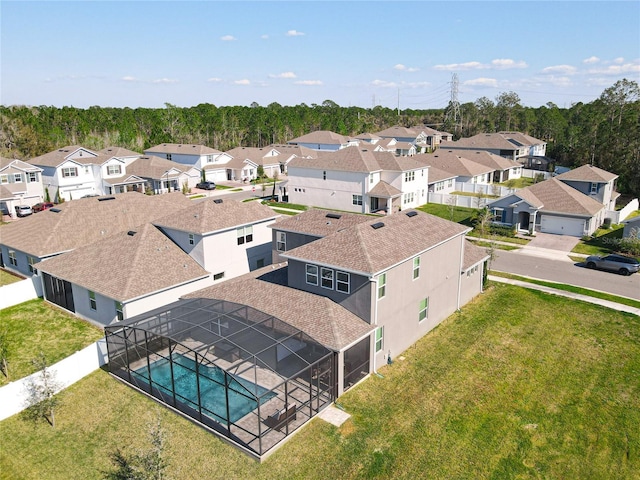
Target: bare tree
{"points": [[451, 204], [276, 174], [41, 393], [4, 353]]}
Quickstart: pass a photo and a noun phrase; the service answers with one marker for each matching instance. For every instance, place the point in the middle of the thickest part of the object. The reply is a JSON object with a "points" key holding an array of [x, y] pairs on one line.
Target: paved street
{"points": [[565, 271]]}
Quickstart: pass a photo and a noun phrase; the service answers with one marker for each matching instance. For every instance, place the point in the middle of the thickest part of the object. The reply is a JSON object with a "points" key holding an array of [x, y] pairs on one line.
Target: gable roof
{"points": [[558, 197], [587, 173], [500, 140], [384, 190], [150, 166], [119, 152], [349, 159], [83, 221], [208, 216], [437, 175], [56, 157], [146, 261], [183, 149], [319, 223], [473, 254], [492, 160], [374, 246], [398, 131], [259, 156], [319, 317], [324, 137], [453, 163], [14, 163]]}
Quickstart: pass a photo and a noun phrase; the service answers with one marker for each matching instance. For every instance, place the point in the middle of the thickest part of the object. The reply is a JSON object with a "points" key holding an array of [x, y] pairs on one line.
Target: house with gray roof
{"points": [[323, 140], [425, 139], [20, 184], [245, 161], [201, 157], [460, 165], [594, 182], [359, 179], [512, 145], [155, 174]]}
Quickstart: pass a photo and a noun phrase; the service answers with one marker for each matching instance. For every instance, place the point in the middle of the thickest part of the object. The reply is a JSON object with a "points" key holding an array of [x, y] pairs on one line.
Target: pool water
{"points": [[242, 393]]}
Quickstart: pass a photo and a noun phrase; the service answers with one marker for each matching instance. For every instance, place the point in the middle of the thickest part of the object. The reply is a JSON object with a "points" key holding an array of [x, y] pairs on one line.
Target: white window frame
{"points": [[356, 200], [114, 169], [409, 176], [416, 268], [33, 177], [69, 172], [382, 286], [423, 309], [191, 239], [32, 261], [119, 310], [311, 272], [379, 339], [281, 241], [594, 188], [244, 234], [343, 285], [12, 258], [92, 300], [17, 178], [327, 274]]}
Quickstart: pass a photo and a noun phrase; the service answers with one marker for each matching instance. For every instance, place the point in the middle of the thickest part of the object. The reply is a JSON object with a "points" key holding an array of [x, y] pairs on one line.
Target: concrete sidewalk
{"points": [[554, 291]]}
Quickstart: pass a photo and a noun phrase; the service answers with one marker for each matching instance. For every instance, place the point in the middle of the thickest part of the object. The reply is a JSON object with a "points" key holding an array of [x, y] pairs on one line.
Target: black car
{"points": [[206, 185]]}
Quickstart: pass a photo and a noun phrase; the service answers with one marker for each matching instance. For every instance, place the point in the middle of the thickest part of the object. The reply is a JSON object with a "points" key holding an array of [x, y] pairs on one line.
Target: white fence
{"points": [[19, 292], [528, 173], [619, 215], [491, 189], [459, 200], [66, 372]]}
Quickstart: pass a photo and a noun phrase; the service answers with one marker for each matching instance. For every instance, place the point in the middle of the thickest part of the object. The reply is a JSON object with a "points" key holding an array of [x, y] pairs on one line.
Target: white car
{"points": [[23, 210]]}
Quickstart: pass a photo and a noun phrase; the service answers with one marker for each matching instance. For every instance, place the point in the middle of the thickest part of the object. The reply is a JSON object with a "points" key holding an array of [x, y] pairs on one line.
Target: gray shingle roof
{"points": [[119, 152], [324, 137], [473, 254], [384, 190], [557, 196], [588, 173], [87, 220], [319, 317], [184, 149], [150, 166], [454, 163], [125, 266], [491, 160], [56, 157], [207, 216], [315, 222], [368, 250]]}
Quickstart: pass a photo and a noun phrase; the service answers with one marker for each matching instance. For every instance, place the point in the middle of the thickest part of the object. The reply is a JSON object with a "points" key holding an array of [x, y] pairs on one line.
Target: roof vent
{"points": [[412, 213], [217, 200], [131, 233], [333, 215], [377, 225], [55, 210], [102, 199]]}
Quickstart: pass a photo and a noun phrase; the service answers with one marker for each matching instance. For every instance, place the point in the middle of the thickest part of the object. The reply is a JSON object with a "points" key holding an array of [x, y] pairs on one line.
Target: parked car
{"points": [[23, 210], [614, 263], [39, 207], [206, 185]]}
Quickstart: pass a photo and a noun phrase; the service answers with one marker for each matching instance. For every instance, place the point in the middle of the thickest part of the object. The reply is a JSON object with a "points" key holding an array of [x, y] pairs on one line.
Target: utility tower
{"points": [[453, 112]]}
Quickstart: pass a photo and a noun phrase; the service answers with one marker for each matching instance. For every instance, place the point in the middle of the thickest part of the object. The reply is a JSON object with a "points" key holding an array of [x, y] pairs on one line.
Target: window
{"points": [[371, 178], [498, 214], [324, 175], [312, 274], [168, 156], [32, 261], [281, 242], [408, 198], [260, 263], [12, 258], [70, 172], [379, 338], [423, 309], [409, 176], [245, 234], [191, 240], [17, 178], [33, 177], [416, 267], [92, 300], [218, 276], [4, 178], [119, 313], [357, 200], [113, 169], [594, 188], [209, 158], [327, 278], [382, 285], [342, 282]]}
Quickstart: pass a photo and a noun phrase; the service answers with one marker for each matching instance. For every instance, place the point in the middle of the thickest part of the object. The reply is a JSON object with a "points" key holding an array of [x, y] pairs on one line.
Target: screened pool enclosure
{"points": [[240, 372]]}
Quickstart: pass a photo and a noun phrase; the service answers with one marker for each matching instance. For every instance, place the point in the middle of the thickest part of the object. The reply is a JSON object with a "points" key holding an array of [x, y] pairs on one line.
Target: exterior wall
{"points": [[306, 186], [321, 146], [22, 260], [398, 311], [85, 183], [414, 192], [293, 240], [112, 163], [193, 160], [471, 283]]}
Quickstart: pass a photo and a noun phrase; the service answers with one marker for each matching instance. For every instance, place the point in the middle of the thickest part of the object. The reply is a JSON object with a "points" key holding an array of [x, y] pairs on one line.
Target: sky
{"points": [[397, 54]]}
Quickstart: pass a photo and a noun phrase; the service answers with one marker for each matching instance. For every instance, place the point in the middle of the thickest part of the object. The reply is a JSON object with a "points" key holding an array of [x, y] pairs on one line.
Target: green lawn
{"points": [[35, 326], [602, 242], [519, 384], [463, 215], [6, 278]]}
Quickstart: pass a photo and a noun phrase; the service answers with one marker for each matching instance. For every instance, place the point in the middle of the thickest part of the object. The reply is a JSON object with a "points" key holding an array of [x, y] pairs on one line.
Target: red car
{"points": [[39, 207]]}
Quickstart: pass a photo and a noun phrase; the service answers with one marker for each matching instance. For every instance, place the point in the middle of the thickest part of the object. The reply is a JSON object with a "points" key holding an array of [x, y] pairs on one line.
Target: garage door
{"points": [[562, 225]]}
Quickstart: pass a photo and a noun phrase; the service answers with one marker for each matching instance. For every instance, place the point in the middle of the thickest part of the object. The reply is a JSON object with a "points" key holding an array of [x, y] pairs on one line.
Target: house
{"points": [[593, 182], [245, 161], [201, 157], [114, 172], [460, 165], [285, 153], [160, 175], [225, 237], [424, 138], [503, 168], [72, 225], [323, 140], [121, 275], [441, 181], [293, 337], [20, 184], [512, 145], [551, 206], [358, 179]]}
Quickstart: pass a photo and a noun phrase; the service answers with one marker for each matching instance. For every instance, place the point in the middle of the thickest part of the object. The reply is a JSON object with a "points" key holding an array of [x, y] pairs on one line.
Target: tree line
{"points": [[605, 132]]}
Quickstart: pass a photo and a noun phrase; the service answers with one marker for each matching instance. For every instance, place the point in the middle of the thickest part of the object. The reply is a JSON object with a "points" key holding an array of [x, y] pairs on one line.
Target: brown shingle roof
{"points": [[453, 163], [315, 222], [437, 175], [350, 159], [86, 220], [368, 250], [207, 216], [184, 149], [142, 263], [398, 132], [56, 157], [473, 254], [119, 152], [324, 137], [557, 196], [383, 189], [150, 166], [491, 160], [319, 317], [588, 173]]}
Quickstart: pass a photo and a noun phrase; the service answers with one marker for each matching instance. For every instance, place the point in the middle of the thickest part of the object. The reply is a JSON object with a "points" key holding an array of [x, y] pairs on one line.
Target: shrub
{"points": [[502, 230]]}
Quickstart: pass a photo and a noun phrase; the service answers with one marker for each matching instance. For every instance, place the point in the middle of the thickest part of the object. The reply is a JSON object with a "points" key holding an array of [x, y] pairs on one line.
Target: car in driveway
{"points": [[23, 210], [39, 207], [206, 185], [614, 263]]}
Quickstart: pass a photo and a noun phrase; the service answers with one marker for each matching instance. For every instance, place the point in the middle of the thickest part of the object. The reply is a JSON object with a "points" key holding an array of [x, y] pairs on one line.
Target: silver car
{"points": [[614, 263], [23, 210]]}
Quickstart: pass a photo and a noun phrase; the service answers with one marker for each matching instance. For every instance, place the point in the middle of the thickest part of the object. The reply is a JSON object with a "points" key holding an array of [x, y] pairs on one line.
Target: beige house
{"points": [[20, 184]]}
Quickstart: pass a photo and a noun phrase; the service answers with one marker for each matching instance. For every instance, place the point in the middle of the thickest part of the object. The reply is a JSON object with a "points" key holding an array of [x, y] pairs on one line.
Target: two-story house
{"points": [[159, 175], [454, 163], [593, 182], [20, 184], [245, 161], [512, 145], [203, 158], [324, 140]]}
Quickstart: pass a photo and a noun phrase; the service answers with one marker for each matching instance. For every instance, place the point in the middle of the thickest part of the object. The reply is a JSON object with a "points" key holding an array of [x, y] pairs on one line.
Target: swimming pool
{"points": [[242, 394]]}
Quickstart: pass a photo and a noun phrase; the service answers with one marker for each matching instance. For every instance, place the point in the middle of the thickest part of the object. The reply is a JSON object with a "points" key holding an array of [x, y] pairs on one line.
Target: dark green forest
{"points": [[605, 132]]}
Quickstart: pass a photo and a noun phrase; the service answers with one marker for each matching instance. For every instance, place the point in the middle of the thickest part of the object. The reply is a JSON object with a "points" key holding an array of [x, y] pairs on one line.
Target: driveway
{"points": [[563, 243]]}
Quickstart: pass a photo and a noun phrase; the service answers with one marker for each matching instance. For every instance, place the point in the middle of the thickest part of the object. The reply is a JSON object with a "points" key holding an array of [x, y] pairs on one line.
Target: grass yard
{"points": [[519, 384], [463, 215], [603, 241], [35, 326], [6, 278]]}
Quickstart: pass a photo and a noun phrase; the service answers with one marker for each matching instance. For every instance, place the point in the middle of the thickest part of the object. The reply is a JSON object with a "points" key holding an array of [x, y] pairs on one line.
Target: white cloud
{"points": [[309, 82], [482, 82], [244, 81], [294, 33], [283, 75], [560, 81], [384, 84], [590, 60], [561, 69], [633, 67], [507, 63], [461, 66], [404, 68], [165, 80], [129, 78], [618, 60], [264, 37], [214, 80], [228, 38]]}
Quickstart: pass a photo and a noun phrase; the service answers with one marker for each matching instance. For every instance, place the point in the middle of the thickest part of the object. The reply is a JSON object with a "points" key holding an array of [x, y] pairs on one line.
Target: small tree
{"points": [[260, 171], [41, 389], [4, 353], [263, 186], [483, 221], [479, 199], [59, 198], [451, 204], [276, 174], [47, 198]]}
